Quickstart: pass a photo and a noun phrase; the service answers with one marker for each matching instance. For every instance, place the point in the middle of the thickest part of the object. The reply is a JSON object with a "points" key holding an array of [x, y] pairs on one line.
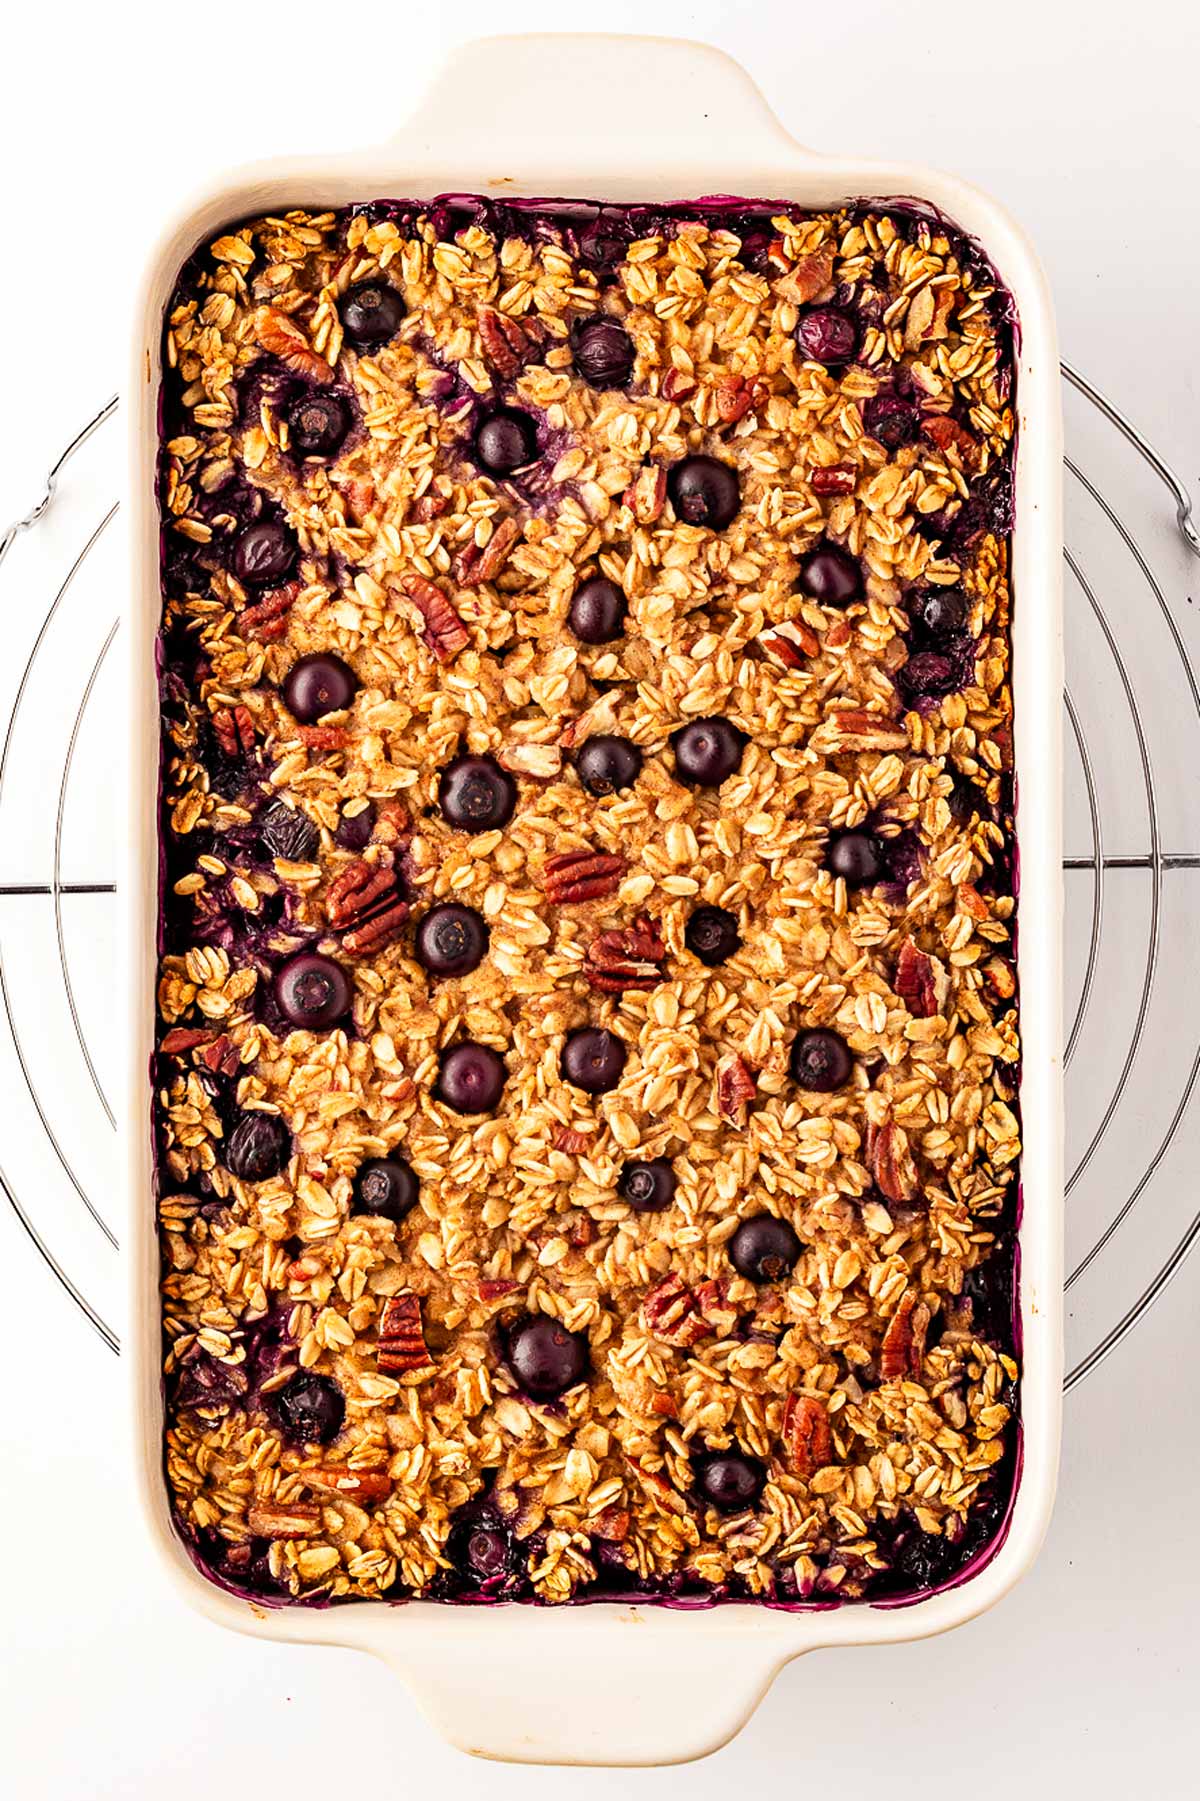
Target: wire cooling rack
{"points": [[1132, 864]]}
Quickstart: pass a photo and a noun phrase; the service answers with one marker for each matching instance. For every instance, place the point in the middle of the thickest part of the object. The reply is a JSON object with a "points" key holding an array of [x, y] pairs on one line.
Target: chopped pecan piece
{"points": [[497, 550], [947, 434], [363, 1486], [734, 396], [401, 1336], [647, 494], [790, 643], [669, 1312], [807, 1440], [892, 1162], [282, 337], [323, 737], [714, 1307], [233, 729], [507, 345], [601, 716], [183, 1038], [494, 1288], [568, 1140], [581, 875], [972, 903], [612, 1524], [676, 385], [809, 276], [1000, 977], [222, 1055], [364, 903], [735, 1087], [443, 631], [358, 491], [848, 730], [628, 957], [903, 1349], [299, 1519], [921, 981], [393, 824], [267, 619], [430, 505], [837, 480]]}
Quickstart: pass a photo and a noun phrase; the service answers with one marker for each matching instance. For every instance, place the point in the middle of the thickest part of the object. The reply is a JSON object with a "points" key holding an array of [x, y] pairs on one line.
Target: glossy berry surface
{"points": [[764, 1249], [606, 764], [505, 441], [708, 751], [286, 832], [258, 1147], [649, 1186], [704, 491], [939, 612], [317, 424], [312, 992], [451, 940], [856, 857], [318, 684], [482, 1553], [928, 676], [830, 575], [310, 1408], [371, 314], [821, 1060], [597, 611], [264, 553], [545, 1358], [826, 334], [602, 352], [731, 1481], [712, 935], [354, 829], [593, 1059], [892, 420], [475, 794], [385, 1188], [471, 1078]]}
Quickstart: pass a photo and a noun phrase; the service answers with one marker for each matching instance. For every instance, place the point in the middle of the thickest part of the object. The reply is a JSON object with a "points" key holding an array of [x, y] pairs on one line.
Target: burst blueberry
{"points": [[286, 832], [354, 829], [258, 1147], [891, 419], [928, 676], [264, 554], [939, 612], [826, 334], [602, 351], [310, 1408]]}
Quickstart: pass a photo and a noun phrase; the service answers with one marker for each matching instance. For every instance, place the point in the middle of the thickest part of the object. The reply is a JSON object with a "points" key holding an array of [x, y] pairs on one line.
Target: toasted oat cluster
{"points": [[587, 1058]]}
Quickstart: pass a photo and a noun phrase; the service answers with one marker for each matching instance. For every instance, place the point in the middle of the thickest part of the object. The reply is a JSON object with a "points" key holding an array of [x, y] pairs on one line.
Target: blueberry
{"points": [[471, 1078], [826, 334], [597, 611], [506, 440], [712, 935], [385, 1187], [731, 1481], [312, 992], [318, 684], [258, 1147], [764, 1249], [606, 764], [545, 1358], [310, 1408], [264, 553], [891, 419], [286, 832], [371, 313], [317, 424], [451, 940], [707, 751], [475, 794], [856, 857], [966, 800], [602, 351], [704, 492], [604, 241], [821, 1060], [830, 575], [593, 1060], [928, 676], [483, 1553], [649, 1187], [354, 829], [939, 612]]}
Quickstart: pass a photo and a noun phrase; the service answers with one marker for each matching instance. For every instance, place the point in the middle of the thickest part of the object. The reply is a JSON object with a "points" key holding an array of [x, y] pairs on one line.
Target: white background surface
{"points": [[1083, 119]]}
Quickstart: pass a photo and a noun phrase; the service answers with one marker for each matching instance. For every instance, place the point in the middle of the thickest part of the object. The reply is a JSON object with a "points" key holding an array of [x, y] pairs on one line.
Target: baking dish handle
{"points": [[600, 102]]}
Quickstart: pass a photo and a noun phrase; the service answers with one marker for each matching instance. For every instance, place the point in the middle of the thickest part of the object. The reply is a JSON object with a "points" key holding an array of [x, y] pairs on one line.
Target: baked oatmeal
{"points": [[587, 1061]]}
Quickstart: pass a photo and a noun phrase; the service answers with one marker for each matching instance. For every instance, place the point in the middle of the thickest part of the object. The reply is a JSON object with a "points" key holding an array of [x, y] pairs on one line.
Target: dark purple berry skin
{"points": [[483, 1553], [928, 676], [451, 940], [264, 554], [712, 935], [385, 1188], [317, 424], [826, 334], [968, 801], [475, 794], [704, 491], [892, 420], [597, 611], [318, 684], [310, 1408], [545, 1358], [606, 764], [354, 829], [856, 857], [471, 1078], [371, 314], [593, 1060], [830, 575], [505, 441], [939, 613], [764, 1249], [649, 1187], [258, 1147], [312, 992], [286, 832], [602, 351], [708, 751], [731, 1481], [821, 1060]]}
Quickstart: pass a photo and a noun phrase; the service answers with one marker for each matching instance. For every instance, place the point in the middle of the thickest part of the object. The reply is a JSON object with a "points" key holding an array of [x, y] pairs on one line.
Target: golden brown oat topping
{"points": [[353, 1380]]}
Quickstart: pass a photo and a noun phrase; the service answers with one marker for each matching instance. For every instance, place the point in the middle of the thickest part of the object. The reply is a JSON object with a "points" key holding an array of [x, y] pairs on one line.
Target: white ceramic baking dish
{"points": [[626, 119]]}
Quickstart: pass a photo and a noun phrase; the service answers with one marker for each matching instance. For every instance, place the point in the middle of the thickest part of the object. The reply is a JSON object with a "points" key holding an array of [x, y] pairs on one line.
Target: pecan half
{"points": [[735, 1088], [507, 345], [233, 729], [670, 1313], [790, 643], [401, 1336], [809, 276], [807, 1440], [282, 337], [625, 958], [892, 1162], [903, 1348], [364, 903], [183, 1038], [299, 1519], [267, 619], [443, 632], [838, 480], [646, 496], [920, 980], [947, 434], [581, 875], [364, 1486]]}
